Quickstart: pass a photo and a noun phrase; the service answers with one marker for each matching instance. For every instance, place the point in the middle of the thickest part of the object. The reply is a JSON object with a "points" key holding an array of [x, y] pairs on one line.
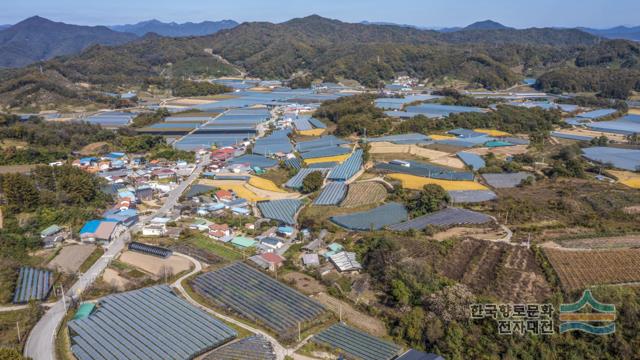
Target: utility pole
{"points": [[18, 328], [298, 330]]}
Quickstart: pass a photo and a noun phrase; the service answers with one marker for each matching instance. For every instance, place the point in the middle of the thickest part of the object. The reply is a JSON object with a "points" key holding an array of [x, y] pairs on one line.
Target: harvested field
{"points": [[94, 148], [437, 157], [352, 316], [488, 234], [304, 283], [111, 277], [264, 184], [492, 132], [337, 158], [630, 241], [71, 257], [250, 192], [628, 178], [578, 269], [500, 151], [364, 193], [418, 182], [155, 265]]}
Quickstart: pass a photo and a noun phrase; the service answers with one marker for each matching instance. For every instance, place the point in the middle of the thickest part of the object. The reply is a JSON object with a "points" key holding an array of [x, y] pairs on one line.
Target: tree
{"points": [[401, 293], [20, 192], [432, 198], [312, 182], [10, 354]]}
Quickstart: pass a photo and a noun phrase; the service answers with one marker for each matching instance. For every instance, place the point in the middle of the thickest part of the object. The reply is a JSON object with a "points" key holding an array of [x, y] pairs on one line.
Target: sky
{"points": [[426, 13]]}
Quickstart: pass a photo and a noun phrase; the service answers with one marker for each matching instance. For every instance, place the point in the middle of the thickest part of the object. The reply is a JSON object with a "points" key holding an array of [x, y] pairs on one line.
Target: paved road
{"points": [[41, 341]]}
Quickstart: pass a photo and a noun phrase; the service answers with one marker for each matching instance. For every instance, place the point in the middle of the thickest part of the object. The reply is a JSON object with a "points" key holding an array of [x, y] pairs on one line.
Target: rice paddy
{"points": [[418, 182], [264, 184], [338, 159]]}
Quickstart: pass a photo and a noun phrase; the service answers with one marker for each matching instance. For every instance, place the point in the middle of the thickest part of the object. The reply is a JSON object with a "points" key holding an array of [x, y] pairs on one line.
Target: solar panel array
{"points": [[332, 194], [32, 284], [281, 210], [258, 297], [347, 169], [356, 344], [374, 219], [254, 347], [150, 323], [443, 218], [150, 249]]}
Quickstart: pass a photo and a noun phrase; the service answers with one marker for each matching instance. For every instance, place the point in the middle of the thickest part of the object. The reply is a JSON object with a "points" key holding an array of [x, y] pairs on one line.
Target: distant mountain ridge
{"points": [[36, 39], [174, 29], [486, 25], [618, 32]]}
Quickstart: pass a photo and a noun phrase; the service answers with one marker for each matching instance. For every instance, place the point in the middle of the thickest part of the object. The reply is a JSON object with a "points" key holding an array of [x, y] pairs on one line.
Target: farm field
{"points": [[352, 316], [364, 193], [155, 265], [264, 184], [602, 243], [337, 158], [627, 178], [578, 269], [390, 151], [71, 258], [418, 182]]}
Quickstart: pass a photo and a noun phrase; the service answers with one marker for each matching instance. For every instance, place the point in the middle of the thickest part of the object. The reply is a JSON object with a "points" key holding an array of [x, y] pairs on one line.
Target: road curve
{"points": [[41, 341]]}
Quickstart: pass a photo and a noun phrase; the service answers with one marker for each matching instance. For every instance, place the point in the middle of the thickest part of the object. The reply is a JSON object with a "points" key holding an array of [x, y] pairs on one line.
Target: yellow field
{"points": [[338, 158], [492, 132], [634, 111], [418, 182], [243, 192], [627, 178], [441, 137], [264, 184], [312, 132]]}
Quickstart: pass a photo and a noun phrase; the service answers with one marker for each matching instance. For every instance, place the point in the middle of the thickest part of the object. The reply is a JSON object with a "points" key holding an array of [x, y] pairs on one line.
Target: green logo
{"points": [[571, 319]]}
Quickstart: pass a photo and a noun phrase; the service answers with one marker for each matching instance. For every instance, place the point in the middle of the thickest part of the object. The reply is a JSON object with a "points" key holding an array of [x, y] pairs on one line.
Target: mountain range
{"points": [[175, 29], [618, 32], [486, 55]]}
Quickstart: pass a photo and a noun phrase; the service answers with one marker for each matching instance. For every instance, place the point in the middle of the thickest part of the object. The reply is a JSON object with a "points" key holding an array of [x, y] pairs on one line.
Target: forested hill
{"points": [[328, 49], [37, 38]]}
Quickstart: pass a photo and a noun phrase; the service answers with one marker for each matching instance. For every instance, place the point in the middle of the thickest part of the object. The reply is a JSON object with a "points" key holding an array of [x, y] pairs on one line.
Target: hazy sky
{"points": [[429, 13]]}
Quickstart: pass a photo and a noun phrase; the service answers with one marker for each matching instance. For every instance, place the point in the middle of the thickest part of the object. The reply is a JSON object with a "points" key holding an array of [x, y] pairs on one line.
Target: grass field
{"points": [[26, 319], [264, 184], [95, 255], [418, 182], [580, 269], [226, 252], [364, 193]]}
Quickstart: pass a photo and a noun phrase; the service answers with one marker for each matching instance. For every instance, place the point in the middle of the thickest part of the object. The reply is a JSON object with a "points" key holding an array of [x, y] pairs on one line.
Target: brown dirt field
{"points": [[476, 233], [364, 193], [8, 169], [155, 265], [500, 151], [578, 269], [112, 277], [352, 316], [71, 257], [632, 209], [304, 283], [94, 148], [630, 241], [585, 132], [507, 272]]}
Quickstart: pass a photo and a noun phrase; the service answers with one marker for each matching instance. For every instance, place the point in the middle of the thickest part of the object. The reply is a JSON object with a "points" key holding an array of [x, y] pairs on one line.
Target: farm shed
{"points": [[243, 242], [356, 344], [445, 217], [626, 159], [297, 180], [255, 347], [32, 284], [376, 219], [347, 169], [150, 249], [506, 180], [281, 210], [332, 194], [345, 261], [150, 323], [258, 297], [471, 196]]}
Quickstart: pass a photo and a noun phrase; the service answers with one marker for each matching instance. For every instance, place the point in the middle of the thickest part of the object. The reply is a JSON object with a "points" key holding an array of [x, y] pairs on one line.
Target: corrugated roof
{"points": [[595, 114], [446, 217], [471, 196], [255, 347], [345, 261], [332, 194], [325, 152], [426, 170], [280, 210], [348, 168], [627, 159], [374, 219], [317, 123], [254, 160], [321, 142], [403, 138], [475, 161]]}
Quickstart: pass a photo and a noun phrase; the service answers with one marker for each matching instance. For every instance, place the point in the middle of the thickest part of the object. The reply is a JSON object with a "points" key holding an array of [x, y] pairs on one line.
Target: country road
{"points": [[41, 341]]}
